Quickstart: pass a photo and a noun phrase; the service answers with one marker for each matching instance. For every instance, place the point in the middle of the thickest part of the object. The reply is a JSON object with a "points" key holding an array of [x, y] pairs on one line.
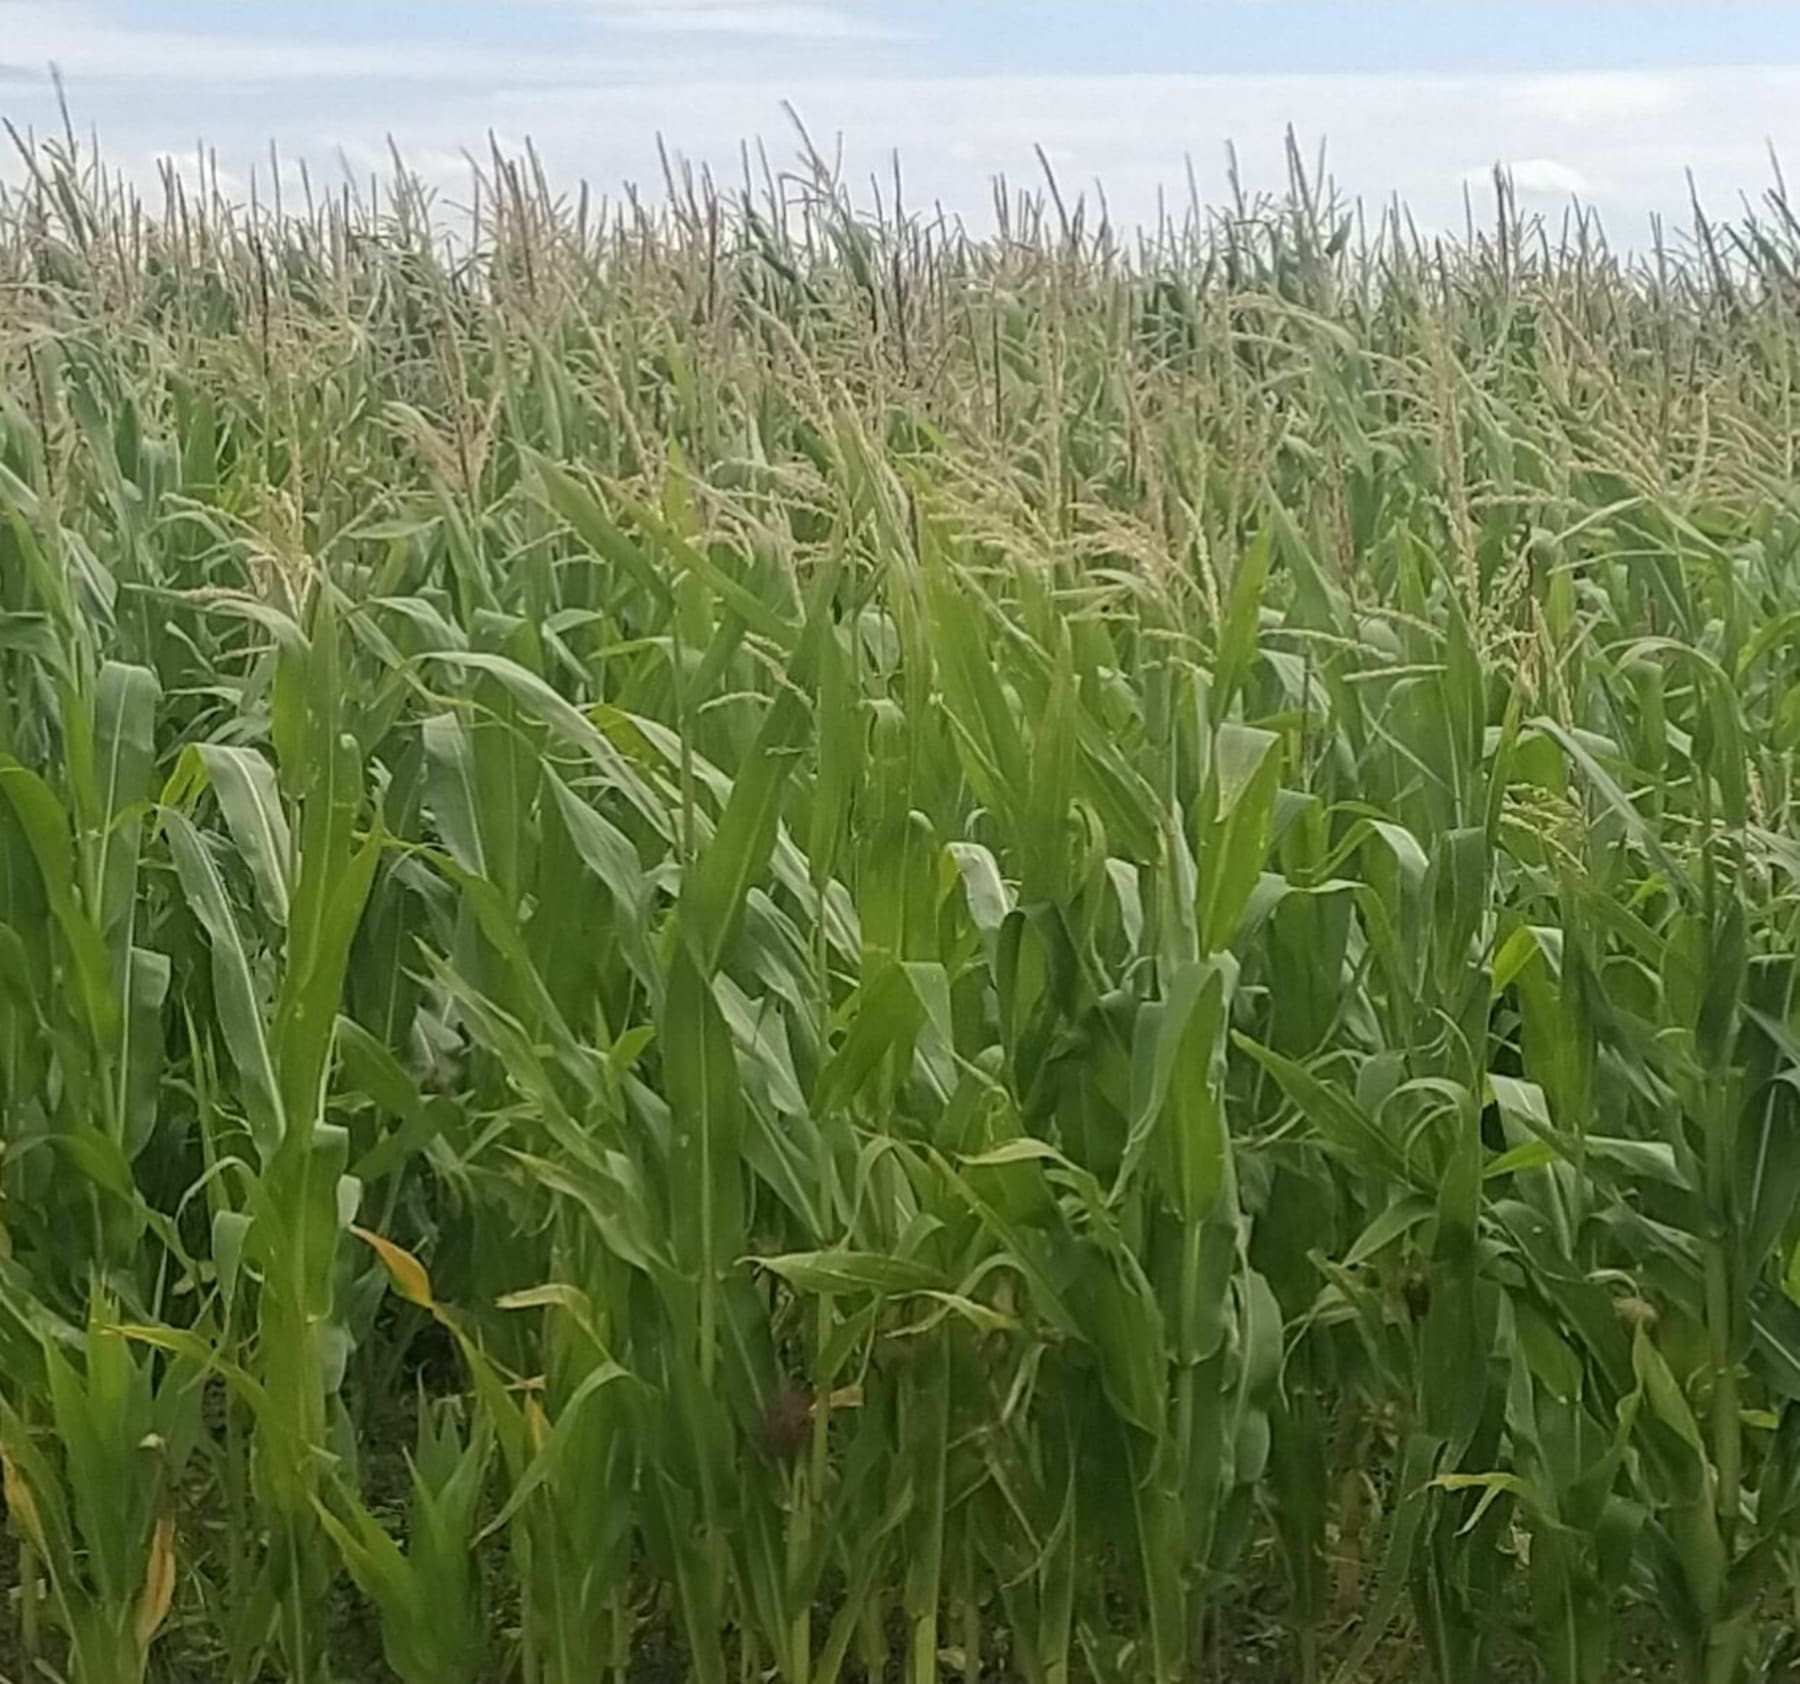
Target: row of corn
{"points": [[761, 944]]}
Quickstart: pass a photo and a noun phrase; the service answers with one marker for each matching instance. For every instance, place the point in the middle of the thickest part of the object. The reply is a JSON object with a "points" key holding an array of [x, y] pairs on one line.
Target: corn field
{"points": [[752, 942]]}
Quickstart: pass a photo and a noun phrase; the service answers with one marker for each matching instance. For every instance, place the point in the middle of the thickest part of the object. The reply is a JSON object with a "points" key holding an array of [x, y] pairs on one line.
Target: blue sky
{"points": [[1609, 100]]}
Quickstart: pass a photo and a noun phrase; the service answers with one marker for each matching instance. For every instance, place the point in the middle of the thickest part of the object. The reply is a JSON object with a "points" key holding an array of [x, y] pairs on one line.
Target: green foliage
{"points": [[960, 944]]}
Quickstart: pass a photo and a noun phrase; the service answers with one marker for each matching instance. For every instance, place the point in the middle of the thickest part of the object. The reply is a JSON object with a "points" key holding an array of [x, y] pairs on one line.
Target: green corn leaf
{"points": [[707, 1120], [47, 832], [125, 704], [234, 989], [250, 801], [312, 989], [851, 1271]]}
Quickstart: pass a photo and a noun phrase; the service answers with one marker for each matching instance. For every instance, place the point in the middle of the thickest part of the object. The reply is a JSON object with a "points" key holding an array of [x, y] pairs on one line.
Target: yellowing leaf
{"points": [[159, 1584], [405, 1271], [20, 1503], [537, 1423]]}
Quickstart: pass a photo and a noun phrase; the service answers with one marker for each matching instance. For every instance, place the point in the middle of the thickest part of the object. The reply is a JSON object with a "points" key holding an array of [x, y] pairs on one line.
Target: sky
{"points": [[1609, 102]]}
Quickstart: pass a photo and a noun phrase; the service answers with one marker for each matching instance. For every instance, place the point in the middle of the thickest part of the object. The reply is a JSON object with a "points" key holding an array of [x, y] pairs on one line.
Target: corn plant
{"points": [[776, 941], [92, 1494]]}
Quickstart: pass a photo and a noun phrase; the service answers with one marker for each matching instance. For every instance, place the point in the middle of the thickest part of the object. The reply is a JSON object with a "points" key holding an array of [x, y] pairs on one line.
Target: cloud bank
{"points": [[597, 92]]}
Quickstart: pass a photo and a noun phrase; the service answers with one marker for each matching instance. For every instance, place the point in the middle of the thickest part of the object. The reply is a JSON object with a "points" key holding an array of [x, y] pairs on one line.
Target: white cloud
{"points": [[1535, 176], [766, 18], [1416, 136], [88, 43], [611, 42], [1599, 96], [1620, 141]]}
